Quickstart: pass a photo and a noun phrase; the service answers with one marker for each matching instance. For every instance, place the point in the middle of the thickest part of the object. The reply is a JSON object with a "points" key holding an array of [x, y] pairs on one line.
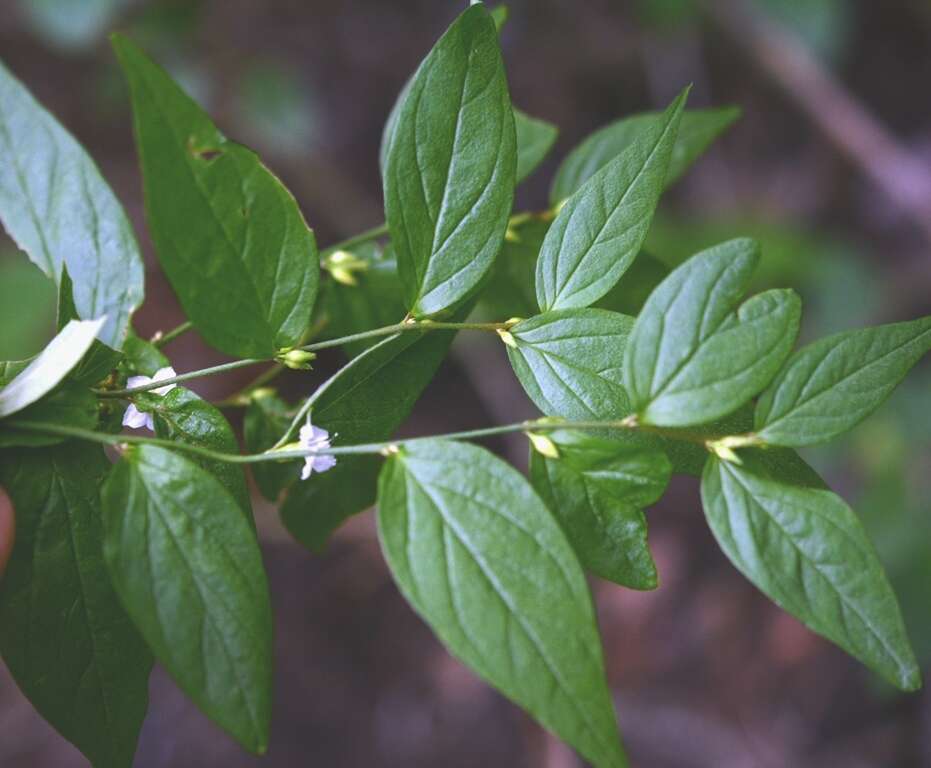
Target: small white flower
{"points": [[315, 439], [136, 419]]}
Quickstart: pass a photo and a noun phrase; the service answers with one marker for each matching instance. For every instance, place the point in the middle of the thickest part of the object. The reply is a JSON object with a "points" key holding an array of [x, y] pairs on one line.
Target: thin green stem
{"points": [[388, 330], [543, 425], [363, 237], [211, 371], [161, 339], [240, 398]]}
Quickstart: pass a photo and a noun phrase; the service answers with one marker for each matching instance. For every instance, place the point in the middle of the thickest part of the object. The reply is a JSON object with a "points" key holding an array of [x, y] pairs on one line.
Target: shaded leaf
{"points": [[535, 139], [266, 419], [597, 488], [366, 401], [697, 130], [182, 416], [63, 634], [374, 301], [44, 372], [187, 568], [70, 405]]}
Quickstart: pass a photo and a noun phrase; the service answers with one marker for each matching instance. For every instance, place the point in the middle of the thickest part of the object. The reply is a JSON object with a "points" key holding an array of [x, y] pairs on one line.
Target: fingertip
{"points": [[7, 529]]}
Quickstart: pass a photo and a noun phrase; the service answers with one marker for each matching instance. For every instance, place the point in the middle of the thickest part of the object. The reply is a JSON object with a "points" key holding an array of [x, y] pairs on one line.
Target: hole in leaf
{"points": [[207, 154]]}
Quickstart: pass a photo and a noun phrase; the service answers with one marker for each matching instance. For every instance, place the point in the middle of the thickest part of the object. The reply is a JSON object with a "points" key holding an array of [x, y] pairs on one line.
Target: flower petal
{"points": [[134, 418]]}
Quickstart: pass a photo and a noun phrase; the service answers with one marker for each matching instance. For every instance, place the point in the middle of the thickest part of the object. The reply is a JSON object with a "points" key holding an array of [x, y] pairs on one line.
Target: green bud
{"points": [[296, 359]]}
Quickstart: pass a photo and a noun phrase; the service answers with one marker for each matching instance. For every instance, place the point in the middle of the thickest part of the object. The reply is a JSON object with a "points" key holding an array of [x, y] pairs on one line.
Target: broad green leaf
{"points": [[570, 362], [27, 305], [70, 405], [807, 551], [63, 634], [229, 236], [597, 488], [366, 401], [60, 211], [634, 288], [100, 359], [691, 357], [374, 301], [47, 370], [833, 384], [600, 229], [479, 556], [509, 291], [188, 570], [449, 180], [142, 357], [698, 129], [266, 419], [182, 416], [535, 139]]}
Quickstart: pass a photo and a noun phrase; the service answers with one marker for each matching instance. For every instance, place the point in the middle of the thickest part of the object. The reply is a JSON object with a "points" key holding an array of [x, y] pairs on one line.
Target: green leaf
{"points": [[807, 551], [500, 16], [51, 366], [100, 359], [229, 236], [63, 633], [9, 369], [833, 384], [597, 488], [70, 405], [535, 139], [449, 179], [509, 291], [691, 357], [570, 362], [60, 211], [365, 401], [634, 288], [188, 570], [182, 416], [698, 129], [266, 419], [479, 556], [600, 229], [374, 301], [142, 357]]}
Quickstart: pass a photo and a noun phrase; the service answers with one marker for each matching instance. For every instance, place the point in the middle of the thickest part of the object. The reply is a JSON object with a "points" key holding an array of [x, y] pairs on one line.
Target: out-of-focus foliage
{"points": [[27, 306]]}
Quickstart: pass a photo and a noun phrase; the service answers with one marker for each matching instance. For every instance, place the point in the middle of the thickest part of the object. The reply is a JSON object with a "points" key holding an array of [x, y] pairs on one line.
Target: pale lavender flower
{"points": [[315, 439], [136, 419]]}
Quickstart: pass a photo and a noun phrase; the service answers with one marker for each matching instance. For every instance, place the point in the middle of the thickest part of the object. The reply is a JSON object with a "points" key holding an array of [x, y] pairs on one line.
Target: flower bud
{"points": [[543, 445], [296, 359]]}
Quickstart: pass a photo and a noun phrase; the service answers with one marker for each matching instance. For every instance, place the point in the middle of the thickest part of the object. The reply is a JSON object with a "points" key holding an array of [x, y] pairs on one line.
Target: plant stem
{"points": [[240, 398], [363, 237], [339, 450], [161, 339], [388, 330], [211, 371]]}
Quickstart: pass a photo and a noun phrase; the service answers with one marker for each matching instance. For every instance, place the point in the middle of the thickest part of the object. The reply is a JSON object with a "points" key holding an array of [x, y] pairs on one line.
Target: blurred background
{"points": [[829, 167]]}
